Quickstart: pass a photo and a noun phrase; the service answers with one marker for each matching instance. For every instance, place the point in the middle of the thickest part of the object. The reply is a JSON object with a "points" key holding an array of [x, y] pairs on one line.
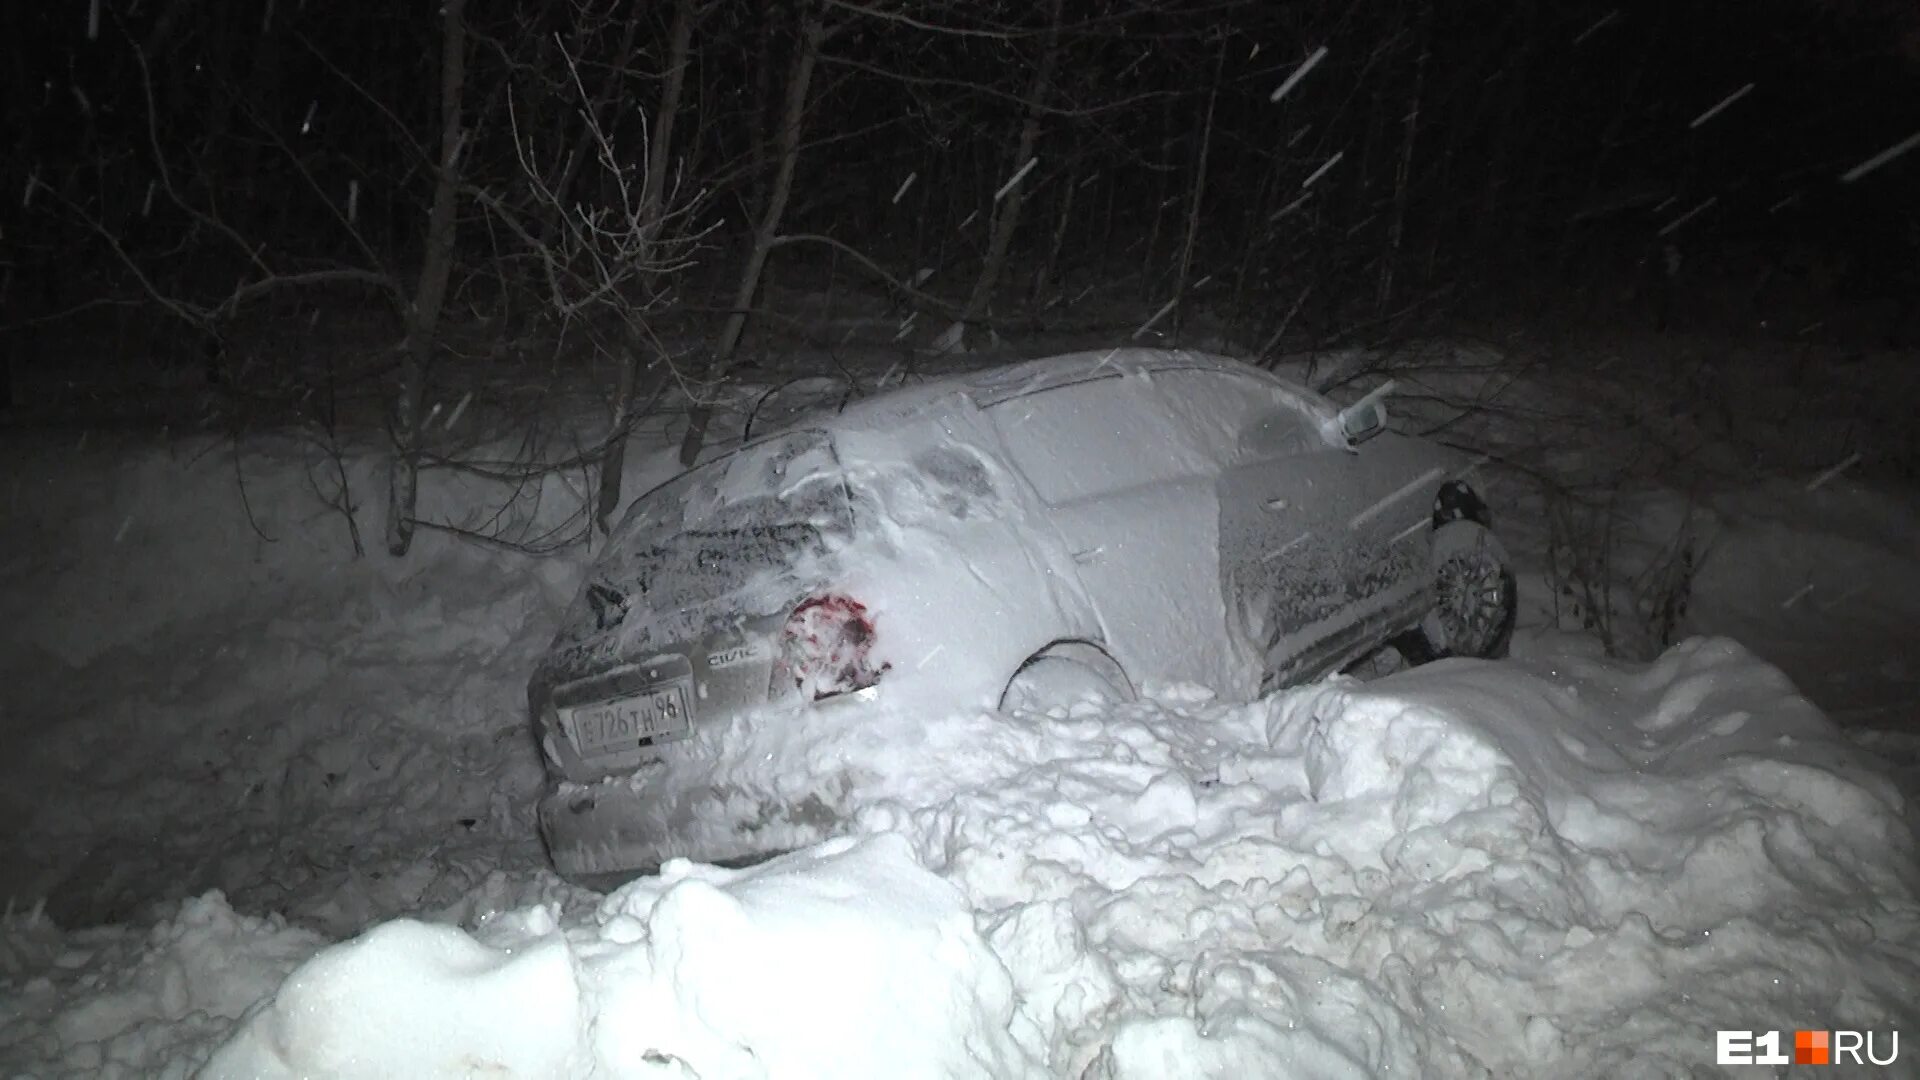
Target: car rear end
{"points": [[713, 601]]}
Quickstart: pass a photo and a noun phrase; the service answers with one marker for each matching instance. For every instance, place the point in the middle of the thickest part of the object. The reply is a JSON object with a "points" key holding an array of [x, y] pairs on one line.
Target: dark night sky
{"points": [[1546, 135]]}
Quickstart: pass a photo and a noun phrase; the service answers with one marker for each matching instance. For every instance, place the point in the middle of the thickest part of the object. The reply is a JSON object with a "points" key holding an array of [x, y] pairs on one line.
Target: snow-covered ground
{"points": [[270, 814]]}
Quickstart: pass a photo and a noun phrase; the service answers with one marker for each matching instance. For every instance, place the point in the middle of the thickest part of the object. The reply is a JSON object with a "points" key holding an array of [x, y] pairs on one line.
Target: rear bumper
{"points": [[600, 830], [603, 833]]}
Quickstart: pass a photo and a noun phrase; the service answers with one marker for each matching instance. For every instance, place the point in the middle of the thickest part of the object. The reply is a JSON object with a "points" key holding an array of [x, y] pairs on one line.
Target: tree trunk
{"points": [[1254, 237], [627, 406], [762, 59], [1199, 197], [1050, 265], [1403, 174], [1008, 219], [807, 51], [423, 320], [1162, 195]]}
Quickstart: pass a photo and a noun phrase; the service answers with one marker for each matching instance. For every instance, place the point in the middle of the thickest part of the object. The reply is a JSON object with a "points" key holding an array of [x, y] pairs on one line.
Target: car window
{"points": [[1086, 438], [1232, 418]]}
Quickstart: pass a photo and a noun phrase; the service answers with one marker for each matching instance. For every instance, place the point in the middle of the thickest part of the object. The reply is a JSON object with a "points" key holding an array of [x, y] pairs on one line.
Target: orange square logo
{"points": [[1811, 1048]]}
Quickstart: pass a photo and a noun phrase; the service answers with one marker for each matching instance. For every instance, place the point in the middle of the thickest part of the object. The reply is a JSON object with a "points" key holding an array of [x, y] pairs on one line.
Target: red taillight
{"points": [[824, 648]]}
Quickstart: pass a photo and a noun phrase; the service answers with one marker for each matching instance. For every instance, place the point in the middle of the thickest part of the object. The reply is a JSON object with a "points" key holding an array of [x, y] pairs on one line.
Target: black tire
{"points": [[1476, 598], [1051, 680]]}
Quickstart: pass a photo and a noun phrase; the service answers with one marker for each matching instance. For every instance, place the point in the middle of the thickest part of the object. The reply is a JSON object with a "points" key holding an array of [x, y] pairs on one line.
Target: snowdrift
{"points": [[1553, 866], [194, 660], [1557, 867]]}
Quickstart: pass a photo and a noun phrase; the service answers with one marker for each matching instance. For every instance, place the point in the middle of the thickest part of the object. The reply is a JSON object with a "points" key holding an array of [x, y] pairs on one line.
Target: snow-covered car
{"points": [[1024, 535]]}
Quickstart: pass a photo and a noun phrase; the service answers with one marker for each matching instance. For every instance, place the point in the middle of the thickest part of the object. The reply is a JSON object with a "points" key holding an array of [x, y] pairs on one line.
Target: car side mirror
{"points": [[1362, 421], [1367, 417]]}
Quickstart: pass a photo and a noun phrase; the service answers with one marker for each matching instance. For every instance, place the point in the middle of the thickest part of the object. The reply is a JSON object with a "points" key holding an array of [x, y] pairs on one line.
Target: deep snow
{"points": [[1558, 865]]}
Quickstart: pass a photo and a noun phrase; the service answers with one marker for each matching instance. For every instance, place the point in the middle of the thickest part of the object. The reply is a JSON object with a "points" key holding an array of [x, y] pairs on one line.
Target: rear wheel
{"points": [[1476, 599], [1065, 676]]}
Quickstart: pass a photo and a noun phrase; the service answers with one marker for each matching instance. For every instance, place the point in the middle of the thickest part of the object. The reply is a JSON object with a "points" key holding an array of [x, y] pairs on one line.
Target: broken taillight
{"points": [[825, 648]]}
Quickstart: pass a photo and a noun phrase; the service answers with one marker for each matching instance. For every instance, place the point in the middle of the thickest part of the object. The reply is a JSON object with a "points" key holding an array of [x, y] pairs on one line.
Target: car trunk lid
{"points": [[678, 616]]}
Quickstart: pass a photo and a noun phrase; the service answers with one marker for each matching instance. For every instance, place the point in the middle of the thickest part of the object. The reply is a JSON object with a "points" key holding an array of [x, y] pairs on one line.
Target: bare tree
{"points": [[1012, 195], [651, 221], [423, 314], [1196, 203], [605, 263], [806, 54]]}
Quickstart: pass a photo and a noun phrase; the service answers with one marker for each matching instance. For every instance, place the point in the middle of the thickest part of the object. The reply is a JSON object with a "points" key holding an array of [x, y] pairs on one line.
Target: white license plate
{"points": [[659, 712]]}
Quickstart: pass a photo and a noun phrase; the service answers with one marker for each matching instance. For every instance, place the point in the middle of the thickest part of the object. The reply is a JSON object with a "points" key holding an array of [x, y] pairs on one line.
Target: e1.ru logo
{"points": [[1809, 1048]]}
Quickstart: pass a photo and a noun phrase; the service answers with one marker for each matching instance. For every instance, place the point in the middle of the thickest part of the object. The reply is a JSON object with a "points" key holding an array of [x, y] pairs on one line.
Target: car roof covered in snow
{"points": [[991, 386]]}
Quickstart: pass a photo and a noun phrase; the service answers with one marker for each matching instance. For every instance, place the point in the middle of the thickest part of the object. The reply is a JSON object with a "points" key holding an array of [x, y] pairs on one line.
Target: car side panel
{"points": [[961, 565], [1135, 506], [1345, 563], [1148, 559], [1385, 515], [1281, 561]]}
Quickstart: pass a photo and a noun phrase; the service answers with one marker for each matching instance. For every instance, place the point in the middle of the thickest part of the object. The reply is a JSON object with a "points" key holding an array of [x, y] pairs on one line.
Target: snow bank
{"points": [[1570, 871], [1826, 584], [1554, 867], [194, 659], [845, 961], [120, 1002], [1557, 866]]}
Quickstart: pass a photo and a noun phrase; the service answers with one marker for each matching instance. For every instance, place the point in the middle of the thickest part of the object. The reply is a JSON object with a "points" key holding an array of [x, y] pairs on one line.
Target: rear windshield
{"points": [[721, 542], [786, 479]]}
